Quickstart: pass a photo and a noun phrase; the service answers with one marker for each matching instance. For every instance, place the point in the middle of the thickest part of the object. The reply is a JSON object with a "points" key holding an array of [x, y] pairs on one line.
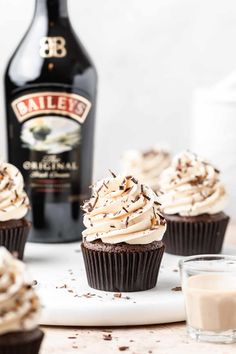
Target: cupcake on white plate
{"points": [[122, 243], [146, 166]]}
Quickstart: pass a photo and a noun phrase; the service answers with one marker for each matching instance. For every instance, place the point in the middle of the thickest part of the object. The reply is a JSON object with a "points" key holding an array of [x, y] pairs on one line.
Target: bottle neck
{"points": [[53, 9]]}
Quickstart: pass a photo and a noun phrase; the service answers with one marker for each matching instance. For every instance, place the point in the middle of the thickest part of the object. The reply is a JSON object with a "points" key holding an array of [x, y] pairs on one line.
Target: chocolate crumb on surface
{"points": [[177, 288], [88, 295], [107, 337], [61, 287], [123, 348], [117, 295]]}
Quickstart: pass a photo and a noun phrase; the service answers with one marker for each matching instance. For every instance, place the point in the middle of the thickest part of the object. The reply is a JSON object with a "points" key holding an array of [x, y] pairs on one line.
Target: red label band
{"points": [[65, 104]]}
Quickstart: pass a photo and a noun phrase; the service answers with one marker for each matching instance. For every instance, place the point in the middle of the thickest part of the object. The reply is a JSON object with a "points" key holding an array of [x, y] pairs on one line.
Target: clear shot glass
{"points": [[209, 288]]}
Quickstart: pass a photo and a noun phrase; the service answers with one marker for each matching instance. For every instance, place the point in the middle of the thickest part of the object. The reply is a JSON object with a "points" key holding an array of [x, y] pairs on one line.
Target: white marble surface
{"points": [[69, 301]]}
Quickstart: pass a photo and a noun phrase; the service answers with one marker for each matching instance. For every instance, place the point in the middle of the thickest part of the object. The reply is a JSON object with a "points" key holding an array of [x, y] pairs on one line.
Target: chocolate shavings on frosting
{"points": [[104, 184], [135, 199], [99, 189], [112, 173], [145, 196], [134, 180]]}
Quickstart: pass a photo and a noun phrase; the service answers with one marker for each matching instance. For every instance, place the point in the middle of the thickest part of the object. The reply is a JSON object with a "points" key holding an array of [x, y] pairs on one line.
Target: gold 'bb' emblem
{"points": [[53, 47]]}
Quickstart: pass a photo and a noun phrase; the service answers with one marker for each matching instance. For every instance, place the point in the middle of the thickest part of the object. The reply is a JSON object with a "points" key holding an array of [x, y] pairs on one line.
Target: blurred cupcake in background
{"points": [[146, 166], [192, 201], [19, 308], [14, 206]]}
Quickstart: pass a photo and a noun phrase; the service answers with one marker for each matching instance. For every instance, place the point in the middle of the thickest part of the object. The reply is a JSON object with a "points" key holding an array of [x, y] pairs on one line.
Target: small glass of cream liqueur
{"points": [[209, 288]]}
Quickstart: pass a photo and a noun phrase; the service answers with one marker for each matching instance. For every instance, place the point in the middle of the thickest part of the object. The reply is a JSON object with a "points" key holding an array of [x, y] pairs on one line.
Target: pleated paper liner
{"points": [[196, 236], [133, 269], [27, 342], [13, 236]]}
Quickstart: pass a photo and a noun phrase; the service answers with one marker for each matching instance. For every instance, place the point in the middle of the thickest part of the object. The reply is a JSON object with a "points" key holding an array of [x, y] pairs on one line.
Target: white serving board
{"points": [[69, 301]]}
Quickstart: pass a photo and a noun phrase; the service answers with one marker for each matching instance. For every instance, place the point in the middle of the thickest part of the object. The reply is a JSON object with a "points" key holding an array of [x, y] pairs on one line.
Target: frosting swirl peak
{"points": [[146, 166], [14, 203], [123, 210], [19, 304], [191, 187]]}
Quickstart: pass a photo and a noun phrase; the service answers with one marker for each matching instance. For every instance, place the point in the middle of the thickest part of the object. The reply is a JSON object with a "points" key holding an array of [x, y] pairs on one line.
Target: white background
{"points": [[150, 56]]}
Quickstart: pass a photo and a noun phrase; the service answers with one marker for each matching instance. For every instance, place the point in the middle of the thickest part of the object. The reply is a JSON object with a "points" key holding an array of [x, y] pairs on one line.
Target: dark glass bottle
{"points": [[50, 86]]}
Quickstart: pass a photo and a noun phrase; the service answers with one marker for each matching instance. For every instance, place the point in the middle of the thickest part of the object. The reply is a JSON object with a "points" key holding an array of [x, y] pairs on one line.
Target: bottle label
{"points": [[51, 125], [69, 104]]}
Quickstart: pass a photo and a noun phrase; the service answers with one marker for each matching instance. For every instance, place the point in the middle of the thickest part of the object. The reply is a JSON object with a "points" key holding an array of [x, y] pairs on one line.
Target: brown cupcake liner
{"points": [[122, 271], [14, 239], [185, 238], [21, 343]]}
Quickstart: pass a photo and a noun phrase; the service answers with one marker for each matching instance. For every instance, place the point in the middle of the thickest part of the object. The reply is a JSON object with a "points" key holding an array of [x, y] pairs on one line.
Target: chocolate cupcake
{"points": [[192, 202], [122, 244], [19, 309], [146, 166], [14, 205]]}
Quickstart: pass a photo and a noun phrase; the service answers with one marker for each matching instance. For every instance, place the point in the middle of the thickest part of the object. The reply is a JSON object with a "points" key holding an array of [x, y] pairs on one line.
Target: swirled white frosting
{"points": [[19, 304], [191, 186], [146, 166], [14, 203], [123, 210]]}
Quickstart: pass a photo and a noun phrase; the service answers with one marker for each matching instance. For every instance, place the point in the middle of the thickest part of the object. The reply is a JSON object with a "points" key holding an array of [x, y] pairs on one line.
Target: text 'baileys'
{"points": [[50, 86]]}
